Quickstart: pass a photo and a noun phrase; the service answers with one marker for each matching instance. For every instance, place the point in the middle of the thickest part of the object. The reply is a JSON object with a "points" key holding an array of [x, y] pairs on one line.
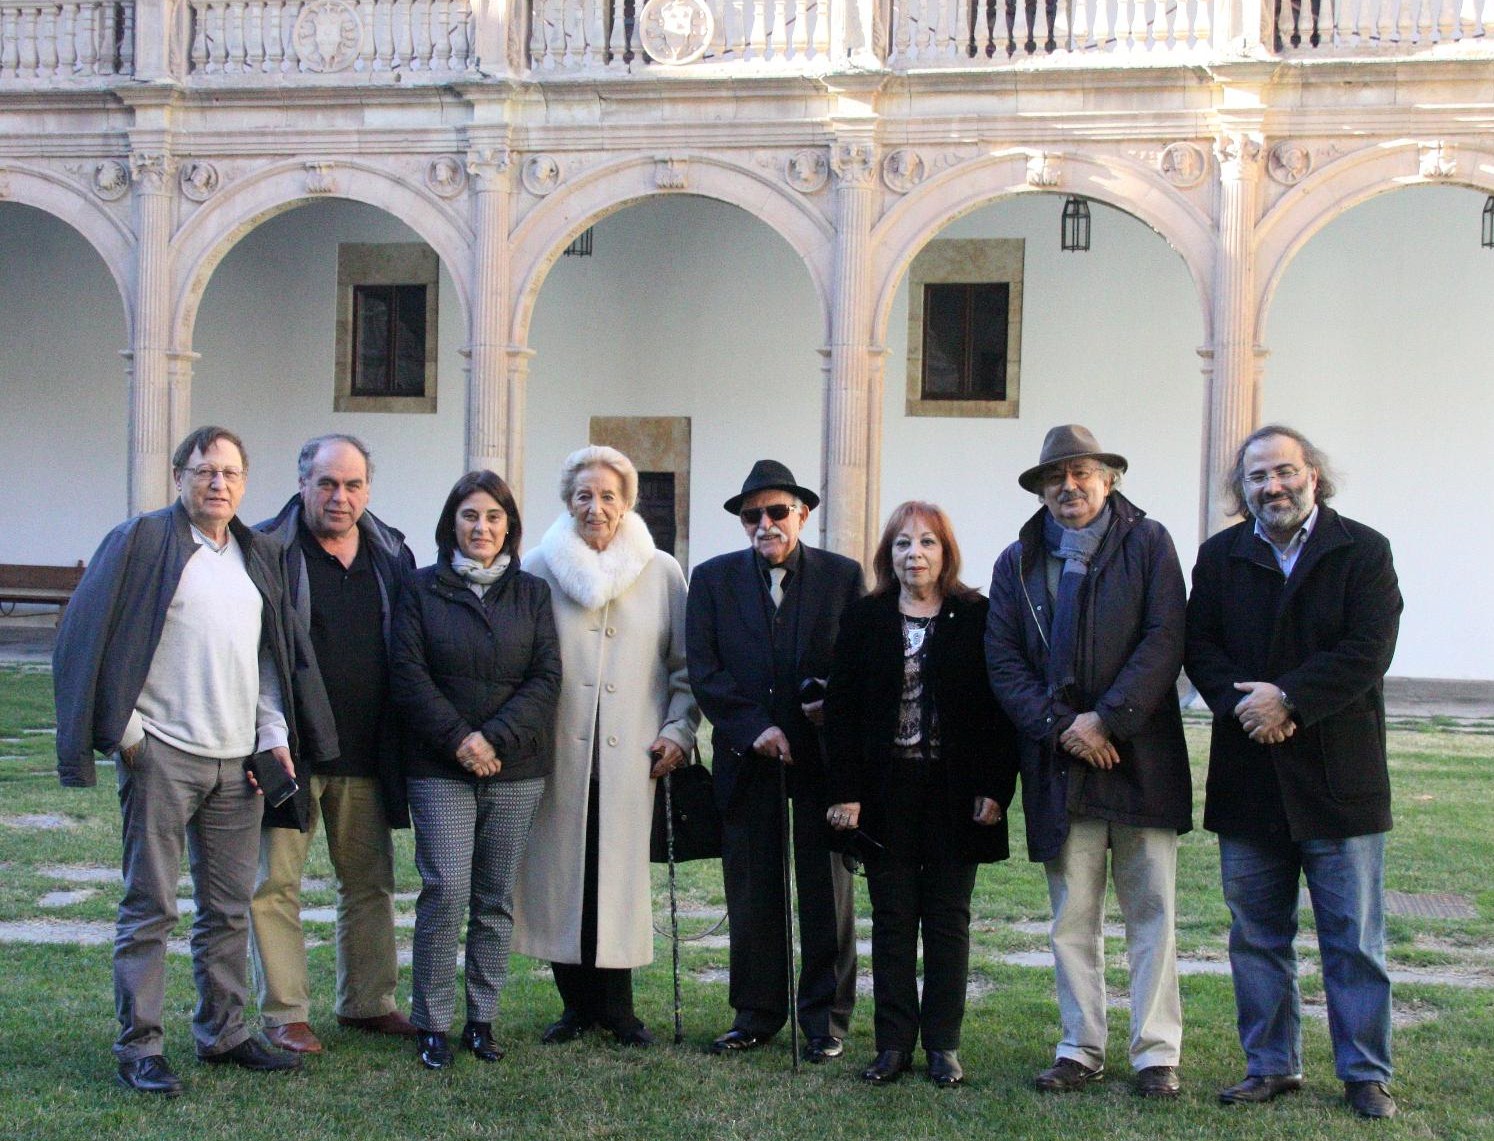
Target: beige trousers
{"points": [[363, 858]]}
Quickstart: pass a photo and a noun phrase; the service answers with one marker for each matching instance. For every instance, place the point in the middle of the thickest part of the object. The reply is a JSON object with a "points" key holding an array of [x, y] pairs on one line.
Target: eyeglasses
{"points": [[1286, 473], [206, 473], [1057, 476], [777, 512]]}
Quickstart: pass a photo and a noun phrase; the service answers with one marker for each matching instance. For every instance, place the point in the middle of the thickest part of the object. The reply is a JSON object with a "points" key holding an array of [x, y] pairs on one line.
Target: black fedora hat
{"points": [[1063, 443], [770, 475]]}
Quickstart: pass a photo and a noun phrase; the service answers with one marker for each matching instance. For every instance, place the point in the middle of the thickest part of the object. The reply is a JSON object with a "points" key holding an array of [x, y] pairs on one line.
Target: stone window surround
{"points": [[966, 261], [393, 263]]}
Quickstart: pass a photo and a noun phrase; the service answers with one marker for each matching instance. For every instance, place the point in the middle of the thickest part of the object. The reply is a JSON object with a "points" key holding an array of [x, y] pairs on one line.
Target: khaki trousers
{"points": [[362, 855]]}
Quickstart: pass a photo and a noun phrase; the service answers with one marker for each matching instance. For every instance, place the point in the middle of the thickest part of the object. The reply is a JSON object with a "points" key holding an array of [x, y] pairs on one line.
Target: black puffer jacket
{"points": [[460, 663]]}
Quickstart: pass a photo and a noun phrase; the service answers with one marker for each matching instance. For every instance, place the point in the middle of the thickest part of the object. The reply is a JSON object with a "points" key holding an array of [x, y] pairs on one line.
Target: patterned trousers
{"points": [[469, 839]]}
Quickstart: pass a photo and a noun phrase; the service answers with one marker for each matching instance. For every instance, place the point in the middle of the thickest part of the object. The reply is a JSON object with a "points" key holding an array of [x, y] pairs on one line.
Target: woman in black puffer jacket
{"points": [[475, 671]]}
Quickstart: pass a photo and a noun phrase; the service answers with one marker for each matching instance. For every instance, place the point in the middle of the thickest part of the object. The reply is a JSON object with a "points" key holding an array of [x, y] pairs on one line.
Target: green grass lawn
{"points": [[57, 1019]]}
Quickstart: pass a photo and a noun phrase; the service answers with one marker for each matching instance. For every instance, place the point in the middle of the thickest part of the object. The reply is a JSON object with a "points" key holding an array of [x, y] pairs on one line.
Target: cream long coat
{"points": [[621, 617]]}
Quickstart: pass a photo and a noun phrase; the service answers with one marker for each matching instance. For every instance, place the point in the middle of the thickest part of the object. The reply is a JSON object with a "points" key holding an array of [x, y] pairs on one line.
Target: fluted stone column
{"points": [[850, 433], [489, 428], [150, 393], [1233, 404], [179, 394]]}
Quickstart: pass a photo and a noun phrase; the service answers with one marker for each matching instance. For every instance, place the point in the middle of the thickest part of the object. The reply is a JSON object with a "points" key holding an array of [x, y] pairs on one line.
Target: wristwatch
{"points": [[1286, 702]]}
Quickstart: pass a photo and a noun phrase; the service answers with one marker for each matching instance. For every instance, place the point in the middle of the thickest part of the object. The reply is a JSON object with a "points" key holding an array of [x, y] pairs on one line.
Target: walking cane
{"points": [[788, 910], [674, 914]]}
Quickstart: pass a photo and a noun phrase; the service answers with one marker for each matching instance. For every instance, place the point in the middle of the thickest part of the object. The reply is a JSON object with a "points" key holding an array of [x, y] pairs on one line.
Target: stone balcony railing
{"points": [[213, 43]]}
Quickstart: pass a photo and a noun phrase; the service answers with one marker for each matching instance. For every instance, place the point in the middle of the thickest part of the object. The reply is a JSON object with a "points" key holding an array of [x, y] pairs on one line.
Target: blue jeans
{"points": [[1346, 881]]}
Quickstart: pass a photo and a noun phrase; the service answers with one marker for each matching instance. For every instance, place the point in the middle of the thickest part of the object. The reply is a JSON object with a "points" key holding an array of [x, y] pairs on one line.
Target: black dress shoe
{"points": [[822, 1049], [254, 1055], [1157, 1081], [1067, 1075], [567, 1028], [1369, 1099], [150, 1075], [945, 1070], [433, 1050], [887, 1067], [1258, 1089], [637, 1035], [734, 1041], [478, 1037]]}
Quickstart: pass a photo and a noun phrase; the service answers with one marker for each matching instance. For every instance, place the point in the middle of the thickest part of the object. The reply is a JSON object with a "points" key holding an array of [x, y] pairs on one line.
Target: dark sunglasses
{"points": [[777, 512]]}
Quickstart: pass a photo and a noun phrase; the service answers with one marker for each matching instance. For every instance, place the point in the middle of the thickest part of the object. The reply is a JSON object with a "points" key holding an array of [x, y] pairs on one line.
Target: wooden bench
{"points": [[20, 582]]}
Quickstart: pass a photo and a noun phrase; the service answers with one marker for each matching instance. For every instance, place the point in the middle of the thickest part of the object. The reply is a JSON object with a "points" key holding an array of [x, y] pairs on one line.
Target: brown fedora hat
{"points": [[1061, 444]]}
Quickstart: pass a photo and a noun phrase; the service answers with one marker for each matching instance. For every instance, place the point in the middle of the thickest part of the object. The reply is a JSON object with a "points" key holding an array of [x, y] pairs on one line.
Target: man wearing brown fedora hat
{"points": [[761, 623], [1084, 644]]}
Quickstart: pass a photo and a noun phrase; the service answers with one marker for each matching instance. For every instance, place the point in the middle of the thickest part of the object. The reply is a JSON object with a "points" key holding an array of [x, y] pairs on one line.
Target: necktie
{"points": [[776, 575]]}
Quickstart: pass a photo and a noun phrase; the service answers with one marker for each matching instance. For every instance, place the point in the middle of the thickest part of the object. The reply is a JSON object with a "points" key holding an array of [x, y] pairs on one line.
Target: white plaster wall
{"points": [[658, 322], [63, 438], [1379, 346], [267, 337], [1109, 340]]}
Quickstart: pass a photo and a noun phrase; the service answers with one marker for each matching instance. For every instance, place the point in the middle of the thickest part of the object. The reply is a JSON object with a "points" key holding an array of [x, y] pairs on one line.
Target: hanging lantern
{"points": [[1075, 224], [1489, 223], [581, 247]]}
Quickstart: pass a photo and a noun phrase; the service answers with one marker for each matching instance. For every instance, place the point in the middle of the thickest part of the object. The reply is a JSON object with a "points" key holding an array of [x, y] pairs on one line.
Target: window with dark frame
{"points": [[965, 340], [389, 340], [656, 505]]}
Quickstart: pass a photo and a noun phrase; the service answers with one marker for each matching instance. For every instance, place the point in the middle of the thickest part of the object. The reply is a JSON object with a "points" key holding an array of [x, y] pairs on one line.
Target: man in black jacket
{"points": [[1083, 645], [343, 569], [759, 623], [1291, 626], [179, 656]]}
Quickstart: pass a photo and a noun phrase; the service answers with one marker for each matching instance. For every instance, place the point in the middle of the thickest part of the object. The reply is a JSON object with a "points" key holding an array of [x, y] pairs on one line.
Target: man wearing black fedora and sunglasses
{"points": [[761, 623]]}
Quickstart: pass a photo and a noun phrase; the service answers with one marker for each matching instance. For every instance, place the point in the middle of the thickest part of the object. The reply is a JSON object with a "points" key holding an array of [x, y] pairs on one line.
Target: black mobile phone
{"points": [[277, 784]]}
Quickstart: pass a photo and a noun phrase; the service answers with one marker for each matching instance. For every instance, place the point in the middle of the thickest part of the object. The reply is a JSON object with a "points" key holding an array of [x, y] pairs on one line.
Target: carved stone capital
{"points": [[902, 170], [446, 176], [1237, 152], [152, 173], [199, 180], [321, 178], [854, 162], [1437, 160], [489, 166], [1043, 169], [671, 172]]}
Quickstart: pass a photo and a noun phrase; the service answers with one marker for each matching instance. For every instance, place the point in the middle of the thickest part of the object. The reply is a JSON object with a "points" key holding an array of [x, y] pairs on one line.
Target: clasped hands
{"points": [[1263, 714], [1089, 740], [476, 755]]}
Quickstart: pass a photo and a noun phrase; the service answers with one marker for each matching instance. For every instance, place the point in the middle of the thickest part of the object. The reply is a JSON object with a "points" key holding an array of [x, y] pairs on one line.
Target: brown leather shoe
{"points": [[296, 1037], [1157, 1081], [394, 1023], [1369, 1099], [1257, 1089], [1067, 1075]]}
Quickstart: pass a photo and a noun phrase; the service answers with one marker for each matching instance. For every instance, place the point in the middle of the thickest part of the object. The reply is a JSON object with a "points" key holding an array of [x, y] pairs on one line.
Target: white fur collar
{"points": [[594, 578]]}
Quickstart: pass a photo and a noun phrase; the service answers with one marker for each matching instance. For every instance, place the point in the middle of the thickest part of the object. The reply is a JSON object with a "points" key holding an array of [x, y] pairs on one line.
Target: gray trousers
{"points": [[469, 839], [165, 795]]}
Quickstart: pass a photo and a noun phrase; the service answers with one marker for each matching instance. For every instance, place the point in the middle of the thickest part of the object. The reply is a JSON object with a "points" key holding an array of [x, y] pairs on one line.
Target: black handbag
{"points": [[697, 821]]}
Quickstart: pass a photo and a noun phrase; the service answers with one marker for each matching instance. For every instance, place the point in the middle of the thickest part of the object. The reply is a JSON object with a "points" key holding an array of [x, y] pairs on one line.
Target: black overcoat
{"points": [[1325, 636], [976, 742]]}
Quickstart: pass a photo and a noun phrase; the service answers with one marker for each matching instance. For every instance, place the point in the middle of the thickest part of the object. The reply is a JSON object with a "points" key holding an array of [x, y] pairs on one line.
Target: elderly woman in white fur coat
{"points": [[626, 718]]}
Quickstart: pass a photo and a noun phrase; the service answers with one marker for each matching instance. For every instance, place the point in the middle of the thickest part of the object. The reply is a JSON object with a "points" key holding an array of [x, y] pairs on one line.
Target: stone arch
{"points": [[909, 225], [538, 240], [1339, 187], [109, 236], [242, 205]]}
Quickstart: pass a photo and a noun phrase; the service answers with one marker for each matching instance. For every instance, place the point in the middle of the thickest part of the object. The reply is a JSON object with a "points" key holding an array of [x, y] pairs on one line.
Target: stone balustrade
{"points": [[223, 41], [248, 37], [618, 35], [65, 39]]}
